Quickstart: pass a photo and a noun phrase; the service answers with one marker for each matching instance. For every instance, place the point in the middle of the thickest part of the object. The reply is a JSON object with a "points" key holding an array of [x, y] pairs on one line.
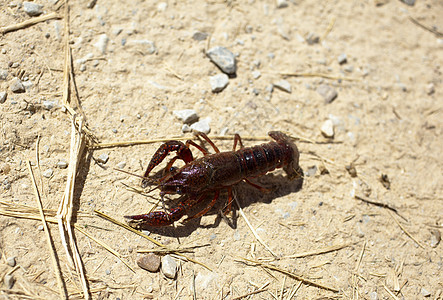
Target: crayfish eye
{"points": [[179, 191]]}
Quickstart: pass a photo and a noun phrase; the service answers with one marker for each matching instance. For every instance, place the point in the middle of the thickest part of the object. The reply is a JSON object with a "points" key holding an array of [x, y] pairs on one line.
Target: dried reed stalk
{"points": [[29, 22]]}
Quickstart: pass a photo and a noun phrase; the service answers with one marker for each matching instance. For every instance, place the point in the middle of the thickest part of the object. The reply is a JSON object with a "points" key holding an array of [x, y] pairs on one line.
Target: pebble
{"points": [[342, 58], [103, 158], [328, 93], [223, 58], [435, 238], [312, 38], [186, 128], [408, 2], [121, 165], [218, 82], [199, 36], [256, 74], [187, 116], [284, 86], [327, 129], [62, 164], [9, 281], [147, 45], [149, 262], [311, 171], [102, 43], [425, 292], [40, 228], [161, 6], [108, 272], [48, 105], [169, 266], [373, 296], [11, 261], [17, 86], [430, 89], [3, 96], [202, 126], [3, 74], [48, 173], [282, 3], [32, 9]]}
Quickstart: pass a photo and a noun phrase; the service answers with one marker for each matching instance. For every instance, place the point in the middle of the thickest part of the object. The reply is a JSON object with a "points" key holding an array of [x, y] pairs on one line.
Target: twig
{"points": [[405, 231], [380, 204], [293, 275], [252, 228], [262, 289], [390, 292], [319, 251], [416, 22], [328, 30], [58, 273], [315, 74], [29, 22]]}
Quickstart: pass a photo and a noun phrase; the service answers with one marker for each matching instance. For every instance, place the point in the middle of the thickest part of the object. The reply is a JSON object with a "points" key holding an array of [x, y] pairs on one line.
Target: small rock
{"points": [[223, 58], [3, 74], [202, 126], [11, 261], [342, 58], [425, 292], [17, 85], [108, 272], [3, 96], [48, 105], [9, 281], [327, 129], [40, 228], [256, 74], [435, 237], [186, 128], [312, 38], [32, 9], [187, 116], [328, 93], [102, 43], [145, 46], [284, 86], [161, 6], [121, 165], [199, 36], [103, 158], [408, 2], [373, 296], [218, 82], [311, 171], [169, 266], [150, 262], [430, 89], [48, 173], [62, 164], [282, 3], [349, 68]]}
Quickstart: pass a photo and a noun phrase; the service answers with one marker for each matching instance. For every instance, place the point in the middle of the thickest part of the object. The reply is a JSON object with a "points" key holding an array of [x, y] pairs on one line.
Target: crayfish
{"points": [[213, 173]]}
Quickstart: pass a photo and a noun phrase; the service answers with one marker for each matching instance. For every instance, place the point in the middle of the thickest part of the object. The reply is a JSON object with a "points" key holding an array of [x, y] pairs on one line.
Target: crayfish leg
{"points": [[262, 189], [210, 205], [237, 139]]}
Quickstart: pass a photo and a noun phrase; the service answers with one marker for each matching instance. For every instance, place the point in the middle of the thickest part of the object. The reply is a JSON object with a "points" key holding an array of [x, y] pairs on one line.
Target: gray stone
{"points": [[282, 3], [48, 105], [202, 126], [10, 261], [256, 74], [169, 266], [187, 116], [62, 164], [430, 89], [32, 9], [312, 38], [283, 85], [9, 281], [3, 74], [327, 129], [149, 262], [48, 173], [108, 272], [342, 58], [218, 82], [186, 128], [199, 36], [373, 296], [408, 2], [146, 46], [103, 158], [102, 43], [311, 171], [328, 93], [121, 165], [3, 96], [425, 292], [17, 86], [223, 58]]}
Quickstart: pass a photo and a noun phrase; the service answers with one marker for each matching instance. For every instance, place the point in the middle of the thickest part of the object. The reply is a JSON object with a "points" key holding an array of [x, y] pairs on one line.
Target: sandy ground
{"points": [[387, 121]]}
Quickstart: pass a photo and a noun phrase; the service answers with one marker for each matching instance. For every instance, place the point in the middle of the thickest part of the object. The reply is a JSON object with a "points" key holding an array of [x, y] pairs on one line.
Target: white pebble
{"points": [[103, 158], [48, 105], [202, 125], [327, 129], [48, 173], [169, 266], [283, 85], [102, 43], [187, 116], [218, 82]]}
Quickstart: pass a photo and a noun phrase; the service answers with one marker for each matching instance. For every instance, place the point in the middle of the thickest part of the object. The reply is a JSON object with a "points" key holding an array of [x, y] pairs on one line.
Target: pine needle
{"points": [[319, 251], [29, 22]]}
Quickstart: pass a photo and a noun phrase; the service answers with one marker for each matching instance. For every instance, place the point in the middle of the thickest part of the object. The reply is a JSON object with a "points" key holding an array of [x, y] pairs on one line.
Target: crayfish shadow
{"points": [[279, 186]]}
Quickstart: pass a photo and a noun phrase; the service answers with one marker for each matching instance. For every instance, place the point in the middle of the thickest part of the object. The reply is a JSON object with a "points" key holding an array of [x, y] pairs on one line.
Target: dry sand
{"points": [[387, 121]]}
